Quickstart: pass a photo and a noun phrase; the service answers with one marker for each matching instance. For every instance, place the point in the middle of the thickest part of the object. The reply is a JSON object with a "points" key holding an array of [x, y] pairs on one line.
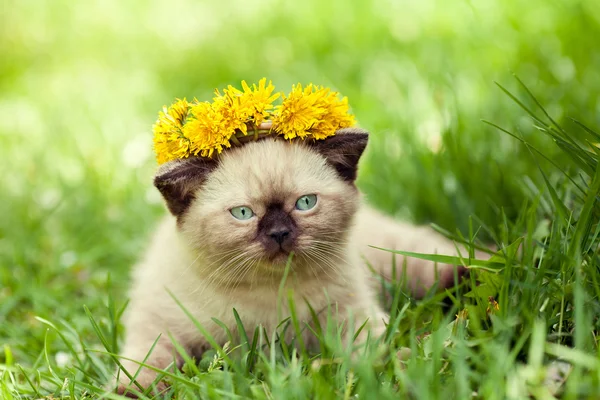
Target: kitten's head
{"points": [[259, 202]]}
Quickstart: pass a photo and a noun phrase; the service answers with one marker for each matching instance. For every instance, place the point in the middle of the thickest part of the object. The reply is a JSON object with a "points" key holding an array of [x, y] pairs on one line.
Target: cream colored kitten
{"points": [[235, 222]]}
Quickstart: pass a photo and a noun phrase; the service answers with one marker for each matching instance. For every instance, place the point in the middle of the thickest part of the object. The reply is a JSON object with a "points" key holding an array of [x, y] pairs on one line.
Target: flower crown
{"points": [[195, 128]]}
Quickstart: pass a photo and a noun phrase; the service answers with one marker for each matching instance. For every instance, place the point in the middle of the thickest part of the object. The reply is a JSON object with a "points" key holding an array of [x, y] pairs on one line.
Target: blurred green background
{"points": [[81, 84]]}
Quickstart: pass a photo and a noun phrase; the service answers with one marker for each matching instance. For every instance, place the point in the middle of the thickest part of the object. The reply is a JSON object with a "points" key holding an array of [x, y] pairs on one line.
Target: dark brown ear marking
{"points": [[343, 150], [177, 180]]}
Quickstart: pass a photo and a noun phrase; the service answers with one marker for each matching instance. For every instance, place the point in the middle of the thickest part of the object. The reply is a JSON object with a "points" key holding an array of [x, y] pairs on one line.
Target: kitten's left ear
{"points": [[343, 150], [178, 180]]}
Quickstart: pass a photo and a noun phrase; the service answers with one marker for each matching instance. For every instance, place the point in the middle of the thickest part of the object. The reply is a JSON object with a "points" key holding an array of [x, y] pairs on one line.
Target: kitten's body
{"points": [[213, 263]]}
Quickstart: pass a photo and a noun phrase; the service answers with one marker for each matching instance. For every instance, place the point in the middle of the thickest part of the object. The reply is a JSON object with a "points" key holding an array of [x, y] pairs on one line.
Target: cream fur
{"points": [[211, 263]]}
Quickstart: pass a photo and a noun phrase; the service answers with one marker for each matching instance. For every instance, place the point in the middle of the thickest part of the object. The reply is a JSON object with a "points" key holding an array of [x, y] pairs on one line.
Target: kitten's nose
{"points": [[279, 235]]}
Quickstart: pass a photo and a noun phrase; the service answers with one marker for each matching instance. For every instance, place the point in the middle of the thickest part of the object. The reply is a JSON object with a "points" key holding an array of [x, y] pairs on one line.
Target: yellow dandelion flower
{"points": [[336, 115], [170, 148], [314, 111], [169, 140], [252, 105], [261, 99], [208, 128], [201, 128], [234, 109], [299, 112]]}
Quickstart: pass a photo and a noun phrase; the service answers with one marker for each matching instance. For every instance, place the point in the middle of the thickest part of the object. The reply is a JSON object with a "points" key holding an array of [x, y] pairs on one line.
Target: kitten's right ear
{"points": [[178, 179]]}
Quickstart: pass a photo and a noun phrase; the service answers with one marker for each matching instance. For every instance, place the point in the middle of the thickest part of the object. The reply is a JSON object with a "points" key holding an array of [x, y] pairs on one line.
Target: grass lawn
{"points": [[80, 86]]}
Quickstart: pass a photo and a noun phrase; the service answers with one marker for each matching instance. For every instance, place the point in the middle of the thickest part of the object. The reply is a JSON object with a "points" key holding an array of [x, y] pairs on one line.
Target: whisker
{"points": [[212, 275], [220, 274], [325, 257], [229, 270], [320, 259], [309, 263]]}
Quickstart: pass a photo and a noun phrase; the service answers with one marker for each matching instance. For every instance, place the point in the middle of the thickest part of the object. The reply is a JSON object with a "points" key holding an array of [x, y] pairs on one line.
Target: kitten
{"points": [[235, 222]]}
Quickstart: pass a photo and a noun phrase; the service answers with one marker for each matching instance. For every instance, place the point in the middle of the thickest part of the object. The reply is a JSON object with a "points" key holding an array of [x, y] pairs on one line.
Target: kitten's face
{"points": [[269, 198]]}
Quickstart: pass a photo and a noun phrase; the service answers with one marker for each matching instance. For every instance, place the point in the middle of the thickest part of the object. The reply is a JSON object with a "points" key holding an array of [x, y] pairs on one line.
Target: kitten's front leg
{"points": [[376, 230], [137, 347], [420, 275]]}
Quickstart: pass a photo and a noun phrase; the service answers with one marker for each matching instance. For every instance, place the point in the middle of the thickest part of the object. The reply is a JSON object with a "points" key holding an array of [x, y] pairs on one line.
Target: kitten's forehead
{"points": [[270, 170]]}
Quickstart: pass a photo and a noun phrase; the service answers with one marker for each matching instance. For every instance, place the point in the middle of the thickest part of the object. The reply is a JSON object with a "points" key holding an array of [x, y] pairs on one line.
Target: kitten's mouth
{"points": [[279, 257], [278, 253]]}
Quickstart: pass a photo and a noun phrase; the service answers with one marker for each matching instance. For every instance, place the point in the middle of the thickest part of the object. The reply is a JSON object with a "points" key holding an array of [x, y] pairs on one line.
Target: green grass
{"points": [[80, 85]]}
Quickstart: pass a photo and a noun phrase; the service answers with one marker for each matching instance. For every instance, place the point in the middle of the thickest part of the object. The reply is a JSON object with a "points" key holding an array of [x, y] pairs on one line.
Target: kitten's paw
{"points": [[450, 273], [454, 274], [404, 353], [123, 390]]}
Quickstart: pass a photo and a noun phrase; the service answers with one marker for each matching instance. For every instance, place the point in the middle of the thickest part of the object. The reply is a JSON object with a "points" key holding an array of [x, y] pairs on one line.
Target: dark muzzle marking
{"points": [[277, 230]]}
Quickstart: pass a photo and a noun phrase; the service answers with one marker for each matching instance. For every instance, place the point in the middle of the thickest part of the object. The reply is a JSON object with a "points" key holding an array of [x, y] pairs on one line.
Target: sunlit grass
{"points": [[81, 84]]}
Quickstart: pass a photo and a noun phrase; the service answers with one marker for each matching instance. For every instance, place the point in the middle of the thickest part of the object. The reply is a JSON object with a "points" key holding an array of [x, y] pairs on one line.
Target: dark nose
{"points": [[279, 235]]}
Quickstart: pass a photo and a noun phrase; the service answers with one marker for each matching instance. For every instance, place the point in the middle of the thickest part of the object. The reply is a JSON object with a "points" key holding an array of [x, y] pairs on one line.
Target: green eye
{"points": [[306, 202], [242, 212]]}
